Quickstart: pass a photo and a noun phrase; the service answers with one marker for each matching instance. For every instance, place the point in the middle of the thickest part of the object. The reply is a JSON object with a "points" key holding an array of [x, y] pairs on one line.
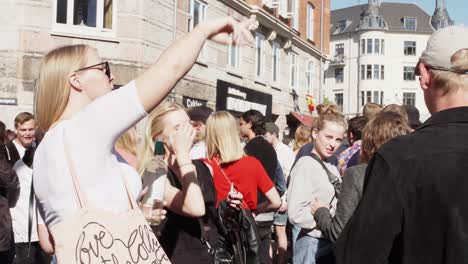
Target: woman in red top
{"points": [[230, 166]]}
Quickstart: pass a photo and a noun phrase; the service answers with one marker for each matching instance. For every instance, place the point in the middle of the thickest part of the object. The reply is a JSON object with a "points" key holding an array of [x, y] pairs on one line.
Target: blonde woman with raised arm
{"points": [[83, 119]]}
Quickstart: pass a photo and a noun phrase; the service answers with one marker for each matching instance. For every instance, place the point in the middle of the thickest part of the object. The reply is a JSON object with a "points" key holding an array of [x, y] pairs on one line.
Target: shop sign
{"points": [[238, 99], [192, 102], [8, 101]]}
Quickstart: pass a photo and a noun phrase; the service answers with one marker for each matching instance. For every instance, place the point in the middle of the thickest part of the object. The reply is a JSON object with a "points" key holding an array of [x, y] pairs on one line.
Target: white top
{"points": [[90, 136], [285, 157], [309, 181], [20, 213], [21, 150], [198, 151]]}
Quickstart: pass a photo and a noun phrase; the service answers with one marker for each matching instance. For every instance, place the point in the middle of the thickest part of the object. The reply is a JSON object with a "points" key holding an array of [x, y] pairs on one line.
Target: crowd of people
{"points": [[79, 185]]}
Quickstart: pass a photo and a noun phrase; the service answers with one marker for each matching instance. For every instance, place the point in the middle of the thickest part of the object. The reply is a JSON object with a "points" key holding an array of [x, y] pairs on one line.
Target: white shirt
{"points": [[20, 213], [285, 157], [90, 136], [198, 151]]}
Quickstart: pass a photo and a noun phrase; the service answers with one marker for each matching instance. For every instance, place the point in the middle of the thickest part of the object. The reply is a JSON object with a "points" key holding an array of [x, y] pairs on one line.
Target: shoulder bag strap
{"points": [[80, 198], [204, 237], [332, 178], [30, 215], [229, 181]]}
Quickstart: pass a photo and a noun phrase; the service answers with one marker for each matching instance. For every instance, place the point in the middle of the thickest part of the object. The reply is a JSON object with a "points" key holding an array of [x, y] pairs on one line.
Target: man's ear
{"points": [[249, 125], [75, 82], [425, 77]]}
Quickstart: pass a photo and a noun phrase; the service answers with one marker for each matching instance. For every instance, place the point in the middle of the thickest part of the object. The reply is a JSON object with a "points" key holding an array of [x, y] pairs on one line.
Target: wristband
{"points": [[185, 164]]}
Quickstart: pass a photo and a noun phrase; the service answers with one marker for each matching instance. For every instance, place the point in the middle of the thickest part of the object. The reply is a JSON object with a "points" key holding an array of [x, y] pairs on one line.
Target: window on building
{"points": [[382, 46], [410, 48], [376, 97], [233, 56], [369, 46], [295, 14], [369, 72], [408, 73], [276, 61], [381, 98], [197, 13], [380, 21], [259, 54], [363, 46], [369, 96], [362, 98], [382, 72], [410, 23], [309, 74], [409, 98], [363, 72], [339, 49], [96, 14], [293, 70], [339, 101], [377, 46], [341, 25], [310, 21], [339, 75], [376, 72]]}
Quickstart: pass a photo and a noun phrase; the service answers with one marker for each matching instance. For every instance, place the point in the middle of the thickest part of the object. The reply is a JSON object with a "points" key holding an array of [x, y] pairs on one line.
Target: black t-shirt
{"points": [[180, 236], [259, 148]]}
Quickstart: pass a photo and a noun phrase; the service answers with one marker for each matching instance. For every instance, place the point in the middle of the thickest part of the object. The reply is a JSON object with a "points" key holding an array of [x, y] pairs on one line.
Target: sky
{"points": [[458, 9]]}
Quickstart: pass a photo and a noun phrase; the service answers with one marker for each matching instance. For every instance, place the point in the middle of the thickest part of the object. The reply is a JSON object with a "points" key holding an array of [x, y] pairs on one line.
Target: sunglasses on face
{"points": [[95, 67]]}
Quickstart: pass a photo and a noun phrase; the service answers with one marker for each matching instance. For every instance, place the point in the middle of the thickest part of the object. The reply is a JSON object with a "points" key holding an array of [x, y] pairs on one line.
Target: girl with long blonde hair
{"points": [[188, 188], [83, 119], [231, 168]]}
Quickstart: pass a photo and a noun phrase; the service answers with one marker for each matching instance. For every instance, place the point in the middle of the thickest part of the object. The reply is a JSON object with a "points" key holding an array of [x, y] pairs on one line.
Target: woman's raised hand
{"points": [[228, 31], [181, 141]]}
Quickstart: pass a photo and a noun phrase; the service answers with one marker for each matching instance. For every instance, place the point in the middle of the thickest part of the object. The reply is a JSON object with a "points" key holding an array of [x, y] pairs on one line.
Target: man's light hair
{"points": [[450, 81]]}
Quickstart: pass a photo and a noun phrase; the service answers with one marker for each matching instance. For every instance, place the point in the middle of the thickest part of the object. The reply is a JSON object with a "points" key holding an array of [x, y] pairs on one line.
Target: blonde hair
{"points": [[321, 108], [394, 108], [302, 136], [222, 137], [52, 86], [330, 114], [128, 141], [154, 127], [385, 126], [448, 80], [370, 110]]}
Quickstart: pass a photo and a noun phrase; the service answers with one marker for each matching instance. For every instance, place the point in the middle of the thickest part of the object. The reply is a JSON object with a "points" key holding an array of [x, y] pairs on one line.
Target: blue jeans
{"points": [[307, 249]]}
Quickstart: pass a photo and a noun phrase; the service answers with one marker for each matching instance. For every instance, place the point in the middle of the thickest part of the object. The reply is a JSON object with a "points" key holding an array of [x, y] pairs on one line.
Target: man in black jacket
{"points": [[252, 126], [414, 208], [25, 126], [9, 194]]}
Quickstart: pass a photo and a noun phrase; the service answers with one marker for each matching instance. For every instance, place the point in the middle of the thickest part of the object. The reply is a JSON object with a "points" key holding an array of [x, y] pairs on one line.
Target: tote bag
{"points": [[95, 235]]}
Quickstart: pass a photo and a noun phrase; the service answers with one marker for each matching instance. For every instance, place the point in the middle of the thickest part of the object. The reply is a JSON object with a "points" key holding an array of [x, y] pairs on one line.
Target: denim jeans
{"points": [[307, 249]]}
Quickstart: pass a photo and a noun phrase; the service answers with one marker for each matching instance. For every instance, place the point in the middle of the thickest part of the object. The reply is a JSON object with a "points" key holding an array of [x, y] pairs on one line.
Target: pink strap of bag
{"points": [[95, 235]]}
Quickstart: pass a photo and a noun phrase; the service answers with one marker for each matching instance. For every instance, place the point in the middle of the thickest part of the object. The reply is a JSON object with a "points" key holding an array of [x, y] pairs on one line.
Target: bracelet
{"points": [[185, 164]]}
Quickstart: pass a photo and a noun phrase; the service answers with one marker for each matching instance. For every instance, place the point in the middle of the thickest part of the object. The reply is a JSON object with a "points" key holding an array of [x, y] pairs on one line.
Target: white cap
{"points": [[442, 45]]}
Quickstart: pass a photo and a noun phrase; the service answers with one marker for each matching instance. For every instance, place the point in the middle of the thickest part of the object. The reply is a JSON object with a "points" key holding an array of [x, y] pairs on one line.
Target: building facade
{"points": [[273, 75], [374, 50]]}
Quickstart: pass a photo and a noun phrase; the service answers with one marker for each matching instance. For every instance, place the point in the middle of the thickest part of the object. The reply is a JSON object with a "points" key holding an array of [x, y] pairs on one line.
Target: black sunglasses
{"points": [[93, 67]]}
